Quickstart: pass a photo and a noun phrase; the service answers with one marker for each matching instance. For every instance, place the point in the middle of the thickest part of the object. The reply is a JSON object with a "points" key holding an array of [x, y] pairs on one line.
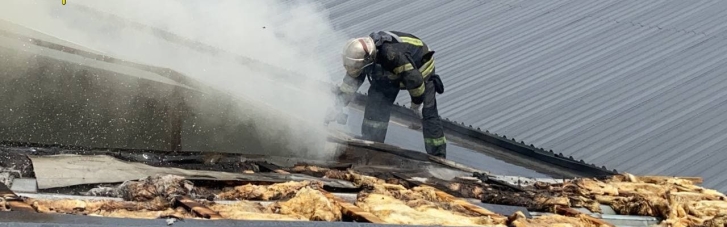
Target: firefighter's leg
{"points": [[381, 97], [434, 141]]}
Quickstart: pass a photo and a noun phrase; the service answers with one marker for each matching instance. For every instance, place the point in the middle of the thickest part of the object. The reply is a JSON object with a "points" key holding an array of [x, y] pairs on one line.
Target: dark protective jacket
{"points": [[407, 59]]}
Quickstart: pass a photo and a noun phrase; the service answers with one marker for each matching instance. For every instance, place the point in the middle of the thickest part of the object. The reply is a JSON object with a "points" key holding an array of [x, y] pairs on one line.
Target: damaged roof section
{"points": [[364, 184]]}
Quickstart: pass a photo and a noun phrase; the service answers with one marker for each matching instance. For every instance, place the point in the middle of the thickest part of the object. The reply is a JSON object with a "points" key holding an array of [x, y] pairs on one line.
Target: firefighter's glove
{"points": [[417, 108]]}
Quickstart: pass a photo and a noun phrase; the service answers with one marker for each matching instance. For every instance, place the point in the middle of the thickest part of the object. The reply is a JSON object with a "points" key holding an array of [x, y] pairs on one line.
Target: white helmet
{"points": [[357, 54]]}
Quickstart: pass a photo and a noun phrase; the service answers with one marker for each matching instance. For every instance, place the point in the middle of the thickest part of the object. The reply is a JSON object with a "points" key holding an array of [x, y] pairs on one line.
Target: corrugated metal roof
{"points": [[399, 135], [638, 86]]}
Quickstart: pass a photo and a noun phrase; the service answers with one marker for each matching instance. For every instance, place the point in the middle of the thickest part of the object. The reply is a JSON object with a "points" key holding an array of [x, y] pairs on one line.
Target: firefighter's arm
{"points": [[347, 89], [402, 65]]}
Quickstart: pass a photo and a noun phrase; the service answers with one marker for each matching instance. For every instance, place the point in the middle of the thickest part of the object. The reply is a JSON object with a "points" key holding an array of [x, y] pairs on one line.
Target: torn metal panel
{"points": [[24, 185], [67, 170], [524, 181]]}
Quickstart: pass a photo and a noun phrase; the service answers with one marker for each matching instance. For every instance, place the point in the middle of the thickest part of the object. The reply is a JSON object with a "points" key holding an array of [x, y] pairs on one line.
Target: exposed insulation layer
{"points": [[307, 204], [157, 208], [246, 210], [310, 204], [677, 201], [395, 211], [267, 192], [428, 206]]}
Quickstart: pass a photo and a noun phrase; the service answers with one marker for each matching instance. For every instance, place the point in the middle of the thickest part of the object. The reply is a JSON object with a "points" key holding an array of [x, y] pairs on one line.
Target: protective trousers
{"points": [[381, 97]]}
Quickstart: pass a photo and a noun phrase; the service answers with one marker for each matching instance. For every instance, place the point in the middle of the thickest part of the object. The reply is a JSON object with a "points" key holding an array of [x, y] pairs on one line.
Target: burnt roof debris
{"points": [[522, 195], [357, 154]]}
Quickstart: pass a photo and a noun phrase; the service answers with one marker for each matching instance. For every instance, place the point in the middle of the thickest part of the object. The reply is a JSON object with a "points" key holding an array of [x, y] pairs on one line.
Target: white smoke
{"points": [[293, 35]]}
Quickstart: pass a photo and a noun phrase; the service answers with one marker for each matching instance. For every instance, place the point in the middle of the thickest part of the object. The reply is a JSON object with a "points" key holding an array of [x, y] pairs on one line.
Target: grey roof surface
{"points": [[400, 135], [637, 86]]}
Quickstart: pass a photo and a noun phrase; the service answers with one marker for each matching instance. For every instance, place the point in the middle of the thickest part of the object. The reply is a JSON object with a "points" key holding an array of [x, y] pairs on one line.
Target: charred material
{"points": [[495, 183], [16, 163], [269, 167], [396, 195], [310, 170], [210, 162], [361, 177], [198, 208], [427, 206], [494, 193], [168, 187]]}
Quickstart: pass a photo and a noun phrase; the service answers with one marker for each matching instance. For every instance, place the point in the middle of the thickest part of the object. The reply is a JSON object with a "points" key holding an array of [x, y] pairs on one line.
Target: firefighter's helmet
{"points": [[358, 54]]}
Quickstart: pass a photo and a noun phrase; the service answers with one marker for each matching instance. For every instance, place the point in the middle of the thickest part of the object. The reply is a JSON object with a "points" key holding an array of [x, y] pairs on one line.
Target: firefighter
{"points": [[394, 61]]}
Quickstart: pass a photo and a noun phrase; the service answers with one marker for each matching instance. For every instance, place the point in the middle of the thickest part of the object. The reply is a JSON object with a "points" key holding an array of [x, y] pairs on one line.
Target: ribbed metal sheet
{"points": [[637, 86], [399, 135]]}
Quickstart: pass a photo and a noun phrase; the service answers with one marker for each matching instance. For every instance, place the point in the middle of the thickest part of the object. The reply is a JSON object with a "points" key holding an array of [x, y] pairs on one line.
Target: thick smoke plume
{"points": [[291, 35]]}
